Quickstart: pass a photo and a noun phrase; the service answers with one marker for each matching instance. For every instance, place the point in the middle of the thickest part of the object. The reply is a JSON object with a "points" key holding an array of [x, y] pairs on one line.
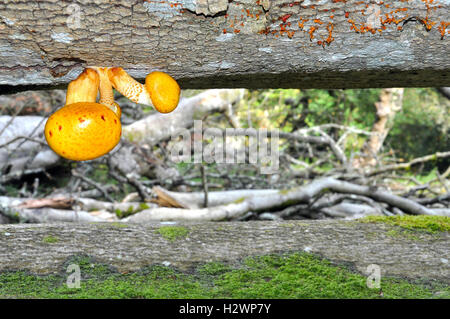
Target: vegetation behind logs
{"points": [[352, 153]]}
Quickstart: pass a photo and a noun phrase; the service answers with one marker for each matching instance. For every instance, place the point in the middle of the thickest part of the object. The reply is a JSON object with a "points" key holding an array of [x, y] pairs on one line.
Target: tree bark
{"points": [[220, 43], [130, 247]]}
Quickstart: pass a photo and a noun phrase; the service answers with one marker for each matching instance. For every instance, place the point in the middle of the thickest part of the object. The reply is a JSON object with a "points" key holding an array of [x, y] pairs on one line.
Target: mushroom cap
{"points": [[83, 131], [164, 91]]}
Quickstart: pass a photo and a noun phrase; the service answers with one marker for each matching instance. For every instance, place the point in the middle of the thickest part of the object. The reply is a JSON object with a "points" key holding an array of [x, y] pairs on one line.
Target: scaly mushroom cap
{"points": [[164, 91], [83, 131]]}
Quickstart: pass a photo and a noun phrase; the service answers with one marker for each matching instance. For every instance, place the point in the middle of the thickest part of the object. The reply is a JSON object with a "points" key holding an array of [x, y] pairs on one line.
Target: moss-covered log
{"points": [[400, 251], [221, 43]]}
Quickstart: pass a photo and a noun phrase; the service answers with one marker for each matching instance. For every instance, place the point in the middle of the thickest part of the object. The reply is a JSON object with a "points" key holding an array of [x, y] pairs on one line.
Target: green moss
{"points": [[239, 200], [109, 224], [403, 234], [430, 224], [283, 191], [125, 213], [143, 206], [214, 269], [172, 233], [118, 225], [118, 213], [50, 239], [131, 210], [133, 136], [371, 235], [222, 228], [297, 275]]}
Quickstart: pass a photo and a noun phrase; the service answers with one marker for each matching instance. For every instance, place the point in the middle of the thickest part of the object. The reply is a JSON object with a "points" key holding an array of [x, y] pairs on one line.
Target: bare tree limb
{"points": [[280, 199], [92, 183], [415, 161]]}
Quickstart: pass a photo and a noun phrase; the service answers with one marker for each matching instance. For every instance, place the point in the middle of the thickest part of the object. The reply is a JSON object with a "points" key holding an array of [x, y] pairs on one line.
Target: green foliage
{"points": [[291, 109], [297, 275], [422, 127]]}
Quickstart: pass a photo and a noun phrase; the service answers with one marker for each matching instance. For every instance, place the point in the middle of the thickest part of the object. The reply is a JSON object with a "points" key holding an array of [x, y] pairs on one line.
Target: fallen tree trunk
{"points": [[220, 43], [130, 247], [65, 209], [197, 199]]}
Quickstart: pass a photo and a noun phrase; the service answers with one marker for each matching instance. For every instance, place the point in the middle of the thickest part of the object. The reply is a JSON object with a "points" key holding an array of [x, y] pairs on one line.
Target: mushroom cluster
{"points": [[84, 129]]}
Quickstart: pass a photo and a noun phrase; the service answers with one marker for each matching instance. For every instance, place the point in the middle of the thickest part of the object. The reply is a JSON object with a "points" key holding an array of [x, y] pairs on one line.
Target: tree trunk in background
{"points": [[228, 44], [390, 103]]}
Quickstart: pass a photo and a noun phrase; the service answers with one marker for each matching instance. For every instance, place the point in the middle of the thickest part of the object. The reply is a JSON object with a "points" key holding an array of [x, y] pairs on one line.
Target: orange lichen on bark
{"points": [[374, 17], [442, 28]]}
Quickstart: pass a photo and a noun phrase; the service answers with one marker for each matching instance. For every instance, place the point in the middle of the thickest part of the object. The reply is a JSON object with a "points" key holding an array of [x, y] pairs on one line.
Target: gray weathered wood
{"points": [[47, 43], [130, 247]]}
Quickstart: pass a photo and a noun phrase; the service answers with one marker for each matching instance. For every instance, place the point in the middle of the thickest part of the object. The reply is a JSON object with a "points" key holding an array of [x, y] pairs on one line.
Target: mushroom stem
{"points": [[84, 88], [128, 86], [106, 91], [160, 90]]}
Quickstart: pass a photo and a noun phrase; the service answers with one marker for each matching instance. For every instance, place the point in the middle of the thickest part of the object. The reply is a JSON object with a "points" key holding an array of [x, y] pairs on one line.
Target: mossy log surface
{"points": [[43, 249], [228, 44]]}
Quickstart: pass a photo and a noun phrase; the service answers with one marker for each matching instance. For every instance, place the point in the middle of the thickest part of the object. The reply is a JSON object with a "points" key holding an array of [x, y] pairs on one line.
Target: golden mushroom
{"points": [[160, 89], [82, 129], [106, 91]]}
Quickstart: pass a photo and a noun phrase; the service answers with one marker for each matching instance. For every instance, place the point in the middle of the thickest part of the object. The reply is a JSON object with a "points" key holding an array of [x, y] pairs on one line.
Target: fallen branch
{"points": [[92, 183], [415, 161], [324, 139], [196, 199], [65, 209], [278, 200], [59, 203]]}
